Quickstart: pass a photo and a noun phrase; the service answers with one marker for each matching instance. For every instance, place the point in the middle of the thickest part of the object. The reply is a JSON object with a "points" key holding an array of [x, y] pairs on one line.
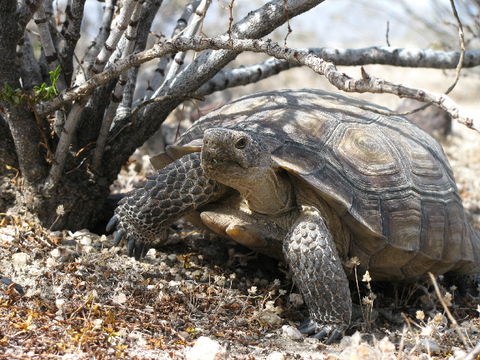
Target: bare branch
{"points": [[256, 24], [447, 310], [160, 69], [116, 32], [63, 144], [126, 43], [47, 44], [244, 75], [130, 37], [71, 34], [405, 57], [189, 31], [98, 43], [30, 70], [143, 31]]}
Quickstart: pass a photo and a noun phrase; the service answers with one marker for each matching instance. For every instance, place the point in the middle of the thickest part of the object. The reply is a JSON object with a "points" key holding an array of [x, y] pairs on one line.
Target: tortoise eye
{"points": [[241, 143]]}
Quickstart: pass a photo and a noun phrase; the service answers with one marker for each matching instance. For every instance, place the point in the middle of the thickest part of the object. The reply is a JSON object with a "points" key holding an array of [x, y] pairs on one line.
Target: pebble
{"points": [[88, 249], [205, 349], [97, 323], [120, 299], [291, 332], [7, 234], [85, 241], [55, 253], [20, 259], [59, 303]]}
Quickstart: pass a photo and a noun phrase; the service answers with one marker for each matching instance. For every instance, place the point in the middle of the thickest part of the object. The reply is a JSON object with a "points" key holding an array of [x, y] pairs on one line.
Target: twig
{"points": [[130, 38], [447, 311], [461, 37], [386, 34], [97, 44], [116, 32], [230, 18], [458, 68], [47, 43], [159, 73], [289, 28], [63, 145], [163, 98], [188, 32]]}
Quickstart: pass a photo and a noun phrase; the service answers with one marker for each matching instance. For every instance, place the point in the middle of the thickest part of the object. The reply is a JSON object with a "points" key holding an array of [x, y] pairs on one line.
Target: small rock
{"points": [[205, 349], [86, 241], [7, 234], [458, 353], [139, 337], [97, 323], [172, 257], [291, 332], [79, 233], [60, 303], [55, 253], [88, 249], [276, 355], [120, 299], [63, 254], [20, 259], [151, 253]]}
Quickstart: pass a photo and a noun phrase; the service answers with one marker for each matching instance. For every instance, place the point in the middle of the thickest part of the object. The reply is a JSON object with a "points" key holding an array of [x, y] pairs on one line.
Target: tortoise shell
{"points": [[387, 179]]}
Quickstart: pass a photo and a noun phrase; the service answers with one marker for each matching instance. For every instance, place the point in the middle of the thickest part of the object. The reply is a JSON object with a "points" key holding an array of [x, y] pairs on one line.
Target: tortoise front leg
{"points": [[310, 251], [145, 214]]}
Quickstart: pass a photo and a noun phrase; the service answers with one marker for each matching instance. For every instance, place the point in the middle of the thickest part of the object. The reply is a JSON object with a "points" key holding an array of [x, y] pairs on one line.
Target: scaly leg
{"points": [[145, 214], [310, 251]]}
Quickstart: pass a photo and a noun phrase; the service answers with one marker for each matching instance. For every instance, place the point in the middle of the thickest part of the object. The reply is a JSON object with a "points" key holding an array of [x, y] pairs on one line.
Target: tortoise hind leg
{"points": [[310, 251]]}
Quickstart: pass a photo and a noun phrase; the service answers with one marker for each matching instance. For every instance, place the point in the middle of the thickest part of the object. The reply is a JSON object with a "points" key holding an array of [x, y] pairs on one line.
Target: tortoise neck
{"points": [[268, 192]]}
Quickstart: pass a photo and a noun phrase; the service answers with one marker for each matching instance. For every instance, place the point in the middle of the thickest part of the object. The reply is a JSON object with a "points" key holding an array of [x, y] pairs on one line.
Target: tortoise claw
{"points": [[130, 246], [317, 331], [112, 223], [118, 236], [307, 327], [138, 251]]}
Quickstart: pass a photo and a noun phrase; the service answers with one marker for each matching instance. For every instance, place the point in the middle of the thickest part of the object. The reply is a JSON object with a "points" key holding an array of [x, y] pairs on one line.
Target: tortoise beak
{"points": [[214, 161]]}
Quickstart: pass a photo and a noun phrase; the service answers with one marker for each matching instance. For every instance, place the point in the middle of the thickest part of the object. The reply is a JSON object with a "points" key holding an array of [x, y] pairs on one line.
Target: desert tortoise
{"points": [[309, 176]]}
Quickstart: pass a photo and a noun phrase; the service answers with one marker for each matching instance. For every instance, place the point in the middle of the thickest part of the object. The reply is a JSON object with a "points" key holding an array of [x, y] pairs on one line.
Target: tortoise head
{"points": [[233, 155], [242, 161]]}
